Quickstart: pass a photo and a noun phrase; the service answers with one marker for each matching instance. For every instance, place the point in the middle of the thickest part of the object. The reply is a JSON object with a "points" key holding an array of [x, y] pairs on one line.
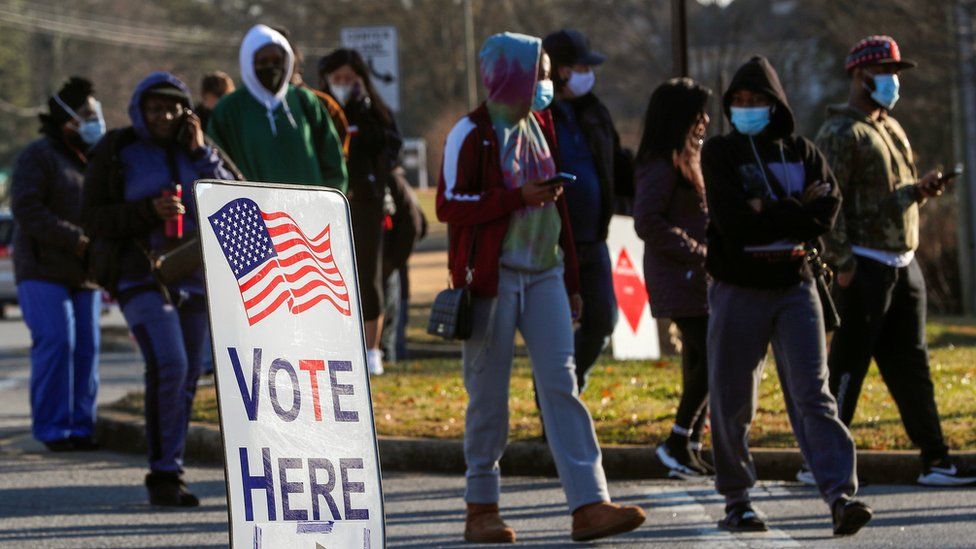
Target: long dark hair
{"points": [[673, 109], [344, 56]]}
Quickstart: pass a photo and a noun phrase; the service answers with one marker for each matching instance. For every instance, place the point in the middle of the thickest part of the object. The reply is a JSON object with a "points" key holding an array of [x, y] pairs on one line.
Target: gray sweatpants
{"points": [[536, 304], [742, 323]]}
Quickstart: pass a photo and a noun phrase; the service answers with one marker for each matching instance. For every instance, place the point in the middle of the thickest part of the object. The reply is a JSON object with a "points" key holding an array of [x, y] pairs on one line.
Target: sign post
{"points": [[301, 461], [378, 46], [635, 337]]}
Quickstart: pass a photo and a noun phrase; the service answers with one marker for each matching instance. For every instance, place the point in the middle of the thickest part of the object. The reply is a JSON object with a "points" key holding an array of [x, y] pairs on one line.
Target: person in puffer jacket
{"points": [[512, 230], [128, 199]]}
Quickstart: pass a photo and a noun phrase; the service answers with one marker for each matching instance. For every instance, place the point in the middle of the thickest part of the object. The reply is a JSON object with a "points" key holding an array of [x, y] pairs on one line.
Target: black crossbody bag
{"points": [[451, 314]]}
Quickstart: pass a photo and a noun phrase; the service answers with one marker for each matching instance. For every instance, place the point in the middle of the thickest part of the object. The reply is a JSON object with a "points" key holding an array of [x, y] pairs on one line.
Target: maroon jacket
{"points": [[471, 195], [670, 217]]}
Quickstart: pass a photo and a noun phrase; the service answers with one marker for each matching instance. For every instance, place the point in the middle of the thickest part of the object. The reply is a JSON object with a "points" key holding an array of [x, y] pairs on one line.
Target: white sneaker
{"points": [[805, 476], [947, 472], [374, 362]]}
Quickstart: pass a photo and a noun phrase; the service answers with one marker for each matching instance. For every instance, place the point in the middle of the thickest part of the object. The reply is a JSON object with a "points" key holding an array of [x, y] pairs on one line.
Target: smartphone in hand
{"points": [[949, 176], [561, 178]]}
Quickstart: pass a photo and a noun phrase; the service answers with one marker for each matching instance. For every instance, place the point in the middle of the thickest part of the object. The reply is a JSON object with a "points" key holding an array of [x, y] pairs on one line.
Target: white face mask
{"points": [[580, 83], [341, 92]]}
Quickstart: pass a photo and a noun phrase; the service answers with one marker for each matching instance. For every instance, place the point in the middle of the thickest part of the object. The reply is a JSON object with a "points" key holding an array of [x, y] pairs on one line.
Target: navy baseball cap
{"points": [[570, 47]]}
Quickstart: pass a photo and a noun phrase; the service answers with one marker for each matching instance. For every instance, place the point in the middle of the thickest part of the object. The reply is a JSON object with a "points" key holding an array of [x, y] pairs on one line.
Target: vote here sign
{"points": [[296, 418]]}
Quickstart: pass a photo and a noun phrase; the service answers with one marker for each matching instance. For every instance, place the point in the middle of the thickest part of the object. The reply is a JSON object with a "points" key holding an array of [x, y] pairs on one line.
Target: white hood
{"points": [[255, 39]]}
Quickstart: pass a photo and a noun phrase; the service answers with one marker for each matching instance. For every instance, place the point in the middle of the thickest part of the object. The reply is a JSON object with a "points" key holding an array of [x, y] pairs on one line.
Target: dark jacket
{"points": [[614, 167], [733, 177], [477, 205], [46, 199], [670, 217], [123, 228], [407, 224], [374, 146]]}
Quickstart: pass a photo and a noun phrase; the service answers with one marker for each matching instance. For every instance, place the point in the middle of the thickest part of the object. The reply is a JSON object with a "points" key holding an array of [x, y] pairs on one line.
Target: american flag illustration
{"points": [[275, 263]]}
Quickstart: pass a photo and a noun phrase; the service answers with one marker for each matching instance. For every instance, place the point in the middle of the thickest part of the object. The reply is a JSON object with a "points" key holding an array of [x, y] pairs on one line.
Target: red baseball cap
{"points": [[876, 50]]}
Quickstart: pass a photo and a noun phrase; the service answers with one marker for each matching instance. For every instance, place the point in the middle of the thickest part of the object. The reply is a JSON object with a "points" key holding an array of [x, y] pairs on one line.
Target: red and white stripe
{"points": [[302, 275]]}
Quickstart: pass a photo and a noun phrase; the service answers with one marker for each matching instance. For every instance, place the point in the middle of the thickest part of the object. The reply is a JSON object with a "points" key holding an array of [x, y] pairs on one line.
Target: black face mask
{"points": [[271, 78]]}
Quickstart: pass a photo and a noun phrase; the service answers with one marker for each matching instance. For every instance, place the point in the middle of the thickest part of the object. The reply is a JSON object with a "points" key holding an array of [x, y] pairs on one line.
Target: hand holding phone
{"points": [[561, 178]]}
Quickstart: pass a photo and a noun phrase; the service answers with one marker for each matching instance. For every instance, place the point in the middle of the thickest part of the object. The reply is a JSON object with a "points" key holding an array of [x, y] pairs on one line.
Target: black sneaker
{"points": [[741, 517], [701, 461], [680, 464], [169, 490], [60, 445], [84, 444], [947, 471], [850, 515]]}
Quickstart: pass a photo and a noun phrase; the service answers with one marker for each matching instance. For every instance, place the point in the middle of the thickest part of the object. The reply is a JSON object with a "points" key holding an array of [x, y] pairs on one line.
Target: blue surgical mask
{"points": [[752, 120], [91, 130], [885, 91], [543, 95]]}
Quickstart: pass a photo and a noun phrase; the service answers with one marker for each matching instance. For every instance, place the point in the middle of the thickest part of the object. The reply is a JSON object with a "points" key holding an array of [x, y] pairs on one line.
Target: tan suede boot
{"points": [[485, 525], [603, 519]]}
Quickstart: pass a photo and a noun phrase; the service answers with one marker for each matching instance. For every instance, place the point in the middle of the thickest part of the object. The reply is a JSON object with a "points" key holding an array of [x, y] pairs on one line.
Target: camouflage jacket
{"points": [[875, 168]]}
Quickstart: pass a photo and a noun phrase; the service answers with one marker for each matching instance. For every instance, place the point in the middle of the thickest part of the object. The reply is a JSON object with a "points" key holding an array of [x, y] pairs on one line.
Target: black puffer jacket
{"points": [[46, 198]]}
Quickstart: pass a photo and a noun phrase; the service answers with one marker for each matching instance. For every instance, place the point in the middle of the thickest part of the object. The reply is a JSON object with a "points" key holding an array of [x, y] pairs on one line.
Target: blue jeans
{"points": [[173, 341], [64, 358], [599, 306]]}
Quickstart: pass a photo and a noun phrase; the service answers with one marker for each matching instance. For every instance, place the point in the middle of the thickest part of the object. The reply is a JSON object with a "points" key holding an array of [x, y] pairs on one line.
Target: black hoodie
{"points": [[733, 177]]}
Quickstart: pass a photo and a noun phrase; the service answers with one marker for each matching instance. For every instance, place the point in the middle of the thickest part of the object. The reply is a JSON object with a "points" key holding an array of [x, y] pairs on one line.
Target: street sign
{"points": [[378, 46], [635, 336], [301, 460]]}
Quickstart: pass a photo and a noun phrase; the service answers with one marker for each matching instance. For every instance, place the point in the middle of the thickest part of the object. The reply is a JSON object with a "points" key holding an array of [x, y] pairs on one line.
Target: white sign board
{"points": [[635, 337], [296, 418], [378, 46]]}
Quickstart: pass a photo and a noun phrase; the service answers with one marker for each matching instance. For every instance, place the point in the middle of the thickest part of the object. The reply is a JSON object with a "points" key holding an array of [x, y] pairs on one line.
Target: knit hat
{"points": [[876, 50], [74, 93]]}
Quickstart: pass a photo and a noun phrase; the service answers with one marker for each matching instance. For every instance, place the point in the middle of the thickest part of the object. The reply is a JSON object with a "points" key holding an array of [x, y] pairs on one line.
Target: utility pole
{"points": [[679, 38], [469, 60], [965, 21]]}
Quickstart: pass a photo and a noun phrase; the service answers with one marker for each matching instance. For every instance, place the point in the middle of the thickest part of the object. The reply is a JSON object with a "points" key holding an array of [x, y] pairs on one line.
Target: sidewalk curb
{"points": [[125, 432]]}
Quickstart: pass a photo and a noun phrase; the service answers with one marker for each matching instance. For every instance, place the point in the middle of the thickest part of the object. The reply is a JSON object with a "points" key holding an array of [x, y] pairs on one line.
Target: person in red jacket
{"points": [[511, 242]]}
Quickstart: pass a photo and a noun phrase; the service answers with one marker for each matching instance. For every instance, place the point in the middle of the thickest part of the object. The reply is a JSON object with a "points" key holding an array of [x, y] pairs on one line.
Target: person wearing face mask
{"points": [[770, 194], [274, 131], [128, 207], [374, 148], [589, 148], [881, 291], [511, 244], [59, 302]]}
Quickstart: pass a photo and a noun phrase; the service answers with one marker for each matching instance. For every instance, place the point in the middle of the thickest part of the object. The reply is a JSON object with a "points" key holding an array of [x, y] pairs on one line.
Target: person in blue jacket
{"points": [[128, 200], [59, 303]]}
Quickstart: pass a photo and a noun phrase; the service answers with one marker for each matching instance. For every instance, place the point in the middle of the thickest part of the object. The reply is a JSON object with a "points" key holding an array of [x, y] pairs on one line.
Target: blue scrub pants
{"points": [[64, 358], [173, 341]]}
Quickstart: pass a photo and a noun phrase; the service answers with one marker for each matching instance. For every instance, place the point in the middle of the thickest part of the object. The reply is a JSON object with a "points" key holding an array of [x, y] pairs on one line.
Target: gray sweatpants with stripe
{"points": [[536, 304], [742, 323]]}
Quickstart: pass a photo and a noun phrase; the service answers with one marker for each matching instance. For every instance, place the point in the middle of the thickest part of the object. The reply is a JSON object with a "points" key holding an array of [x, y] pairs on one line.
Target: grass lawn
{"points": [[634, 402]]}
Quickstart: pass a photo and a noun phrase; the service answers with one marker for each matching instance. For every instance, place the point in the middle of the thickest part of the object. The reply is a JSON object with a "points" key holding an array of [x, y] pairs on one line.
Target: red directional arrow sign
{"points": [[629, 289]]}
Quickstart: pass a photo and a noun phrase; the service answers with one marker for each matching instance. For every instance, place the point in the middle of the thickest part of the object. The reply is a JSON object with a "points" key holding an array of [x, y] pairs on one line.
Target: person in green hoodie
{"points": [[770, 194], [274, 131]]}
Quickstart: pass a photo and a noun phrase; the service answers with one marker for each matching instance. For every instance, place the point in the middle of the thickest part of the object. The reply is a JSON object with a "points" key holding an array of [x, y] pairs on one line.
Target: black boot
{"points": [[169, 490], [84, 444]]}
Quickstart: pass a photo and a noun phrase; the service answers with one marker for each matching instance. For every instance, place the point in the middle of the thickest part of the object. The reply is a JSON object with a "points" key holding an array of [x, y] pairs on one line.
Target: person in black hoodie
{"points": [[770, 194]]}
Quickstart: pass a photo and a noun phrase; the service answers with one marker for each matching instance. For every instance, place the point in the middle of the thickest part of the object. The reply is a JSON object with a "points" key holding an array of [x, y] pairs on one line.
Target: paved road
{"points": [[97, 500]]}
